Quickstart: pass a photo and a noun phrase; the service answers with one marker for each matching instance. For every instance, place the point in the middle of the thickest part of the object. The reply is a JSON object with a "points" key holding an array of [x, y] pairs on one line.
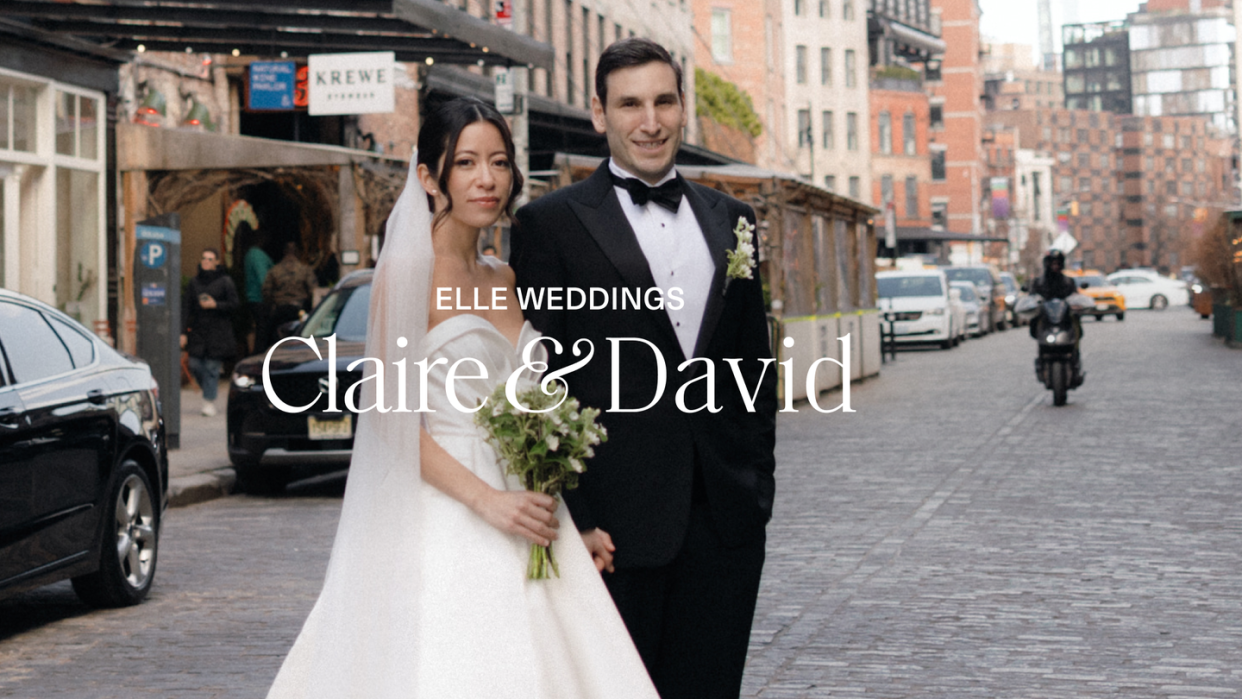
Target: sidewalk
{"points": [[200, 469]]}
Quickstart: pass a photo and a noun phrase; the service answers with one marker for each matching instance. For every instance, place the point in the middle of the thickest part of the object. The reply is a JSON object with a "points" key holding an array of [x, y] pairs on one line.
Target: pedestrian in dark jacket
{"points": [[288, 289], [207, 336]]}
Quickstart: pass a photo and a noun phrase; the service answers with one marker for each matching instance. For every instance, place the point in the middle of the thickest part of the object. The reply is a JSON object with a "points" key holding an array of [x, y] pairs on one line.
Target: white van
{"points": [[920, 304]]}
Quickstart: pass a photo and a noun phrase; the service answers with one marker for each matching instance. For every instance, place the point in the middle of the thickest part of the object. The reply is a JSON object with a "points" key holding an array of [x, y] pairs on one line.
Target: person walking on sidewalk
{"points": [[288, 289], [257, 264], [207, 335]]}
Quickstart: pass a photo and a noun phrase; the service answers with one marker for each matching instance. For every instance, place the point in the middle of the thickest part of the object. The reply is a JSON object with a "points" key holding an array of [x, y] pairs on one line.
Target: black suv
{"points": [[267, 443], [83, 464]]}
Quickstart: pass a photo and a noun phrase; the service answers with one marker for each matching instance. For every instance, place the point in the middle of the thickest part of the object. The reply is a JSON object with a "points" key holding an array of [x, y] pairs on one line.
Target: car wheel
{"points": [[1159, 303], [262, 480], [1099, 317], [129, 544], [1121, 316]]}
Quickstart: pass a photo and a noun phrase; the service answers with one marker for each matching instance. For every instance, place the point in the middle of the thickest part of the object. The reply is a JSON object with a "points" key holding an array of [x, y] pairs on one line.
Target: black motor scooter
{"points": [[1058, 365]]}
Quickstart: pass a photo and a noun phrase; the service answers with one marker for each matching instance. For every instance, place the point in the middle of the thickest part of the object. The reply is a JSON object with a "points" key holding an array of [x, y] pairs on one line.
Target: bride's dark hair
{"points": [[438, 135]]}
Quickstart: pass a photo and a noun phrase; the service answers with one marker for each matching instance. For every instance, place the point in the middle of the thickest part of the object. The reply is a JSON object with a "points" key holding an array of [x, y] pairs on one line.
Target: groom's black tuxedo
{"points": [[685, 496], [638, 487]]}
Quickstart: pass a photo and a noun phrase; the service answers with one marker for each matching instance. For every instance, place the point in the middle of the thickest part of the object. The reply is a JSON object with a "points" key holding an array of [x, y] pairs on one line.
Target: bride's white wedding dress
{"points": [[422, 598], [497, 633]]}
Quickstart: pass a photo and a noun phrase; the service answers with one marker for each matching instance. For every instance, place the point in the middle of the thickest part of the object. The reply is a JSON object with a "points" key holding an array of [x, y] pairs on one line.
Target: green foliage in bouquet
{"points": [[547, 451]]}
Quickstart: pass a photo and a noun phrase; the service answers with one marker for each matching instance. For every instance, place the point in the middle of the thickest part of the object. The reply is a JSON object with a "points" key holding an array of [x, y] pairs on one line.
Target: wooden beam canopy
{"points": [[415, 30]]}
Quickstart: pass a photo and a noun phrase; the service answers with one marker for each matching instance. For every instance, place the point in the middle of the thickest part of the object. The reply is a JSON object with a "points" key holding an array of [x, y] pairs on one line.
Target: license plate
{"points": [[1101, 306], [335, 428]]}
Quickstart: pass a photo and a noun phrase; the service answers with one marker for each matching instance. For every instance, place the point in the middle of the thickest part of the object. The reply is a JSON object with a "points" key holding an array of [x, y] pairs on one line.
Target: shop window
{"points": [[77, 243], [17, 117], [76, 126]]}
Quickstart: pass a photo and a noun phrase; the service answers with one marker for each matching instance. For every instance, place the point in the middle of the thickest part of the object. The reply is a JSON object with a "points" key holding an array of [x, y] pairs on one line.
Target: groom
{"points": [[674, 505]]}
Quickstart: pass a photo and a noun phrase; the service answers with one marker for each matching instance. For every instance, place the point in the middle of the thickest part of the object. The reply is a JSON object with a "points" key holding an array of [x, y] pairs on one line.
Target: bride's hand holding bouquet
{"points": [[544, 439]]}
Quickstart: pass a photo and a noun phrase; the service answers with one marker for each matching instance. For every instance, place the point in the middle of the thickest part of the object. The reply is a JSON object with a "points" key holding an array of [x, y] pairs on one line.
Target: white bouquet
{"points": [[546, 450]]}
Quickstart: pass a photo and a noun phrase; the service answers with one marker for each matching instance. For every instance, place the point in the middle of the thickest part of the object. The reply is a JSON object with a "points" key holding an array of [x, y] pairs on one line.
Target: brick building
{"points": [[1012, 80], [900, 159], [956, 115], [1129, 189], [730, 43], [1177, 176]]}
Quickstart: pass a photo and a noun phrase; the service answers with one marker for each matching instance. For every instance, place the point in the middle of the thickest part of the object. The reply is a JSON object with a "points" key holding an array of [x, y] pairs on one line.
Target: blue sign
{"points": [[168, 235], [271, 85], [153, 254], [154, 294]]}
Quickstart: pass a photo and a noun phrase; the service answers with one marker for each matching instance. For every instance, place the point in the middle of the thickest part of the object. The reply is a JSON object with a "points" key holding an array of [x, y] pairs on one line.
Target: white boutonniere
{"points": [[742, 258]]}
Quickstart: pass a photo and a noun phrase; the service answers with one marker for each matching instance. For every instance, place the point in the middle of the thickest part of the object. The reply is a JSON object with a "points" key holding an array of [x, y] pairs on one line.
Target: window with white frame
{"points": [[722, 35], [52, 150]]}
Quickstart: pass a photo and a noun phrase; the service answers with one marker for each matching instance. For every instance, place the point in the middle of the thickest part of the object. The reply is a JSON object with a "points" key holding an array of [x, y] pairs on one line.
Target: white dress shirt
{"points": [[677, 255]]}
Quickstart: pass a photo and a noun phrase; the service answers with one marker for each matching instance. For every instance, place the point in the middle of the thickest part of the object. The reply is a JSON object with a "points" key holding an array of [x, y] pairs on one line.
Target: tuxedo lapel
{"points": [[601, 214], [714, 222]]}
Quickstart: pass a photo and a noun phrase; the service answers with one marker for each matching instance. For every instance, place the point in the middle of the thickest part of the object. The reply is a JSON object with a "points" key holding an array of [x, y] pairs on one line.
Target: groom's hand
{"points": [[600, 545]]}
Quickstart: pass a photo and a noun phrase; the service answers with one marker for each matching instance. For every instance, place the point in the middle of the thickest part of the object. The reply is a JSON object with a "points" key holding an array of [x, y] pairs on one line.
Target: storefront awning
{"points": [[415, 30]]}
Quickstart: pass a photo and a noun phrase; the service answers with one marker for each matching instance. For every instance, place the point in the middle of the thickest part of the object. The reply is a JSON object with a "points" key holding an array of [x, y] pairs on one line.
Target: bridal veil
{"points": [[361, 639]]}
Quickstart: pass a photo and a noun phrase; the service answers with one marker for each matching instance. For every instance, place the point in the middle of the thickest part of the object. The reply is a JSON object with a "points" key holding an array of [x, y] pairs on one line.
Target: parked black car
{"points": [[83, 464], [266, 444]]}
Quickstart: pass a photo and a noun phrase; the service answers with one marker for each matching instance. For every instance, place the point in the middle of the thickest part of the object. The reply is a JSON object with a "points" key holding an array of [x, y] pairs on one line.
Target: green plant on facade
{"points": [[725, 103], [898, 73]]}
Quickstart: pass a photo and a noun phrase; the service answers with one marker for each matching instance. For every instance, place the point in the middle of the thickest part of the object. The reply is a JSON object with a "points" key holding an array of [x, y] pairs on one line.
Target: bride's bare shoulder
{"points": [[504, 271]]}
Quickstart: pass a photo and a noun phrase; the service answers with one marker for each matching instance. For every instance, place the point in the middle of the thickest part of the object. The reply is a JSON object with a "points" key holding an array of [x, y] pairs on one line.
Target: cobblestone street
{"points": [[956, 536]]}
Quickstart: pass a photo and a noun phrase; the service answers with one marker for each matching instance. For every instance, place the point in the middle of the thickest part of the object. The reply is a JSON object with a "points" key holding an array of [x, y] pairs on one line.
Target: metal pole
{"points": [[521, 118]]}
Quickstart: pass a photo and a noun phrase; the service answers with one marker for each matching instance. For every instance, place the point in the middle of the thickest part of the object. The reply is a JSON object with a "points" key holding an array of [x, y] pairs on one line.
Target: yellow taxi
{"points": [[1108, 299]]}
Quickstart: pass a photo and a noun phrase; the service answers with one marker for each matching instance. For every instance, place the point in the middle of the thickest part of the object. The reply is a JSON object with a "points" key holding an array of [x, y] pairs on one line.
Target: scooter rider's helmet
{"points": [[1054, 262]]}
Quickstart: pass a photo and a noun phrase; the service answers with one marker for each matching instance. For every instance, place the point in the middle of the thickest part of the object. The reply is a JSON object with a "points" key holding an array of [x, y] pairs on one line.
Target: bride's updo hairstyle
{"points": [[438, 136]]}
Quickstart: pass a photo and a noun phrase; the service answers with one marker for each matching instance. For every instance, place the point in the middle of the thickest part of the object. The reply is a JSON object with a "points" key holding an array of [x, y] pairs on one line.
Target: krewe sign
{"points": [[350, 83]]}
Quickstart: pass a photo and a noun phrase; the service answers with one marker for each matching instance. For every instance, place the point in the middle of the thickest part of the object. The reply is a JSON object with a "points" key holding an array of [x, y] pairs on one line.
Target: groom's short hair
{"points": [[629, 53]]}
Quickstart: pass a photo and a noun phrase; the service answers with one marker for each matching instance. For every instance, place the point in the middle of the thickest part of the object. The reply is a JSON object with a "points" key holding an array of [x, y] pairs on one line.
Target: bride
{"points": [[426, 592]]}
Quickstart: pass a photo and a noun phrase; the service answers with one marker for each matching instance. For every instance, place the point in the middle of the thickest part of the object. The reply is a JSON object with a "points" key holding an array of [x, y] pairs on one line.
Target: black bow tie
{"points": [[667, 195]]}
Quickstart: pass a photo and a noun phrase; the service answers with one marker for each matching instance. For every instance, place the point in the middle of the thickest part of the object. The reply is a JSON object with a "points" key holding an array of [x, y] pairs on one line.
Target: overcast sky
{"points": [[1017, 21]]}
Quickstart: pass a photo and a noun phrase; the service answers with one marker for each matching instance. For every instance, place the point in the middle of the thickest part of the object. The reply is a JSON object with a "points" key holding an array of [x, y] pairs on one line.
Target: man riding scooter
{"points": [[1053, 284]]}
